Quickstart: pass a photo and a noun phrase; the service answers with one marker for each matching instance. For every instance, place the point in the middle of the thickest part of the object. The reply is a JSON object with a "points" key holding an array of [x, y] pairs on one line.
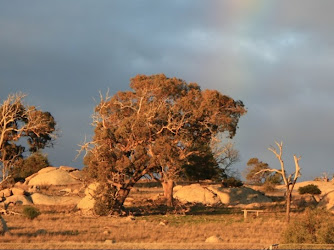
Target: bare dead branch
{"points": [[268, 170]]}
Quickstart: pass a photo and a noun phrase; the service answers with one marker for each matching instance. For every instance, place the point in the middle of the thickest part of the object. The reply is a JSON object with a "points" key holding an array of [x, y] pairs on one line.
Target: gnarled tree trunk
{"points": [[121, 197], [168, 186]]}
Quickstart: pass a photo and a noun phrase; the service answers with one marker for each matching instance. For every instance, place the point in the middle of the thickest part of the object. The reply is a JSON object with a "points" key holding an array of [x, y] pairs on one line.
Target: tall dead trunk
{"points": [[288, 204], [168, 192]]}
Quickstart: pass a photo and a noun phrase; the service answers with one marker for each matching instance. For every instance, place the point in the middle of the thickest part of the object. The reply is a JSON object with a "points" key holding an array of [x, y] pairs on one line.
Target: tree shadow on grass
{"points": [[49, 233], [158, 207]]}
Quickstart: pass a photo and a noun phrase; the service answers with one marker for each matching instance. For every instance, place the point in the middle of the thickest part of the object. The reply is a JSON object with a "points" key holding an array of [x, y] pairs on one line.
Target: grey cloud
{"points": [[280, 64]]}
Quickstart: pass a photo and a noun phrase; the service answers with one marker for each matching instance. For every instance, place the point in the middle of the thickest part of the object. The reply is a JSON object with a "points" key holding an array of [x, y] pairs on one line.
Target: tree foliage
{"points": [[201, 166], [30, 165], [253, 167], [309, 189], [226, 156], [256, 173], [154, 128], [213, 162], [18, 121]]}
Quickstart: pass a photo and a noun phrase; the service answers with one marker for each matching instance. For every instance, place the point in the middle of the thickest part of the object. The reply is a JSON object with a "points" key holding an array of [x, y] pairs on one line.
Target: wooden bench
{"points": [[251, 211]]}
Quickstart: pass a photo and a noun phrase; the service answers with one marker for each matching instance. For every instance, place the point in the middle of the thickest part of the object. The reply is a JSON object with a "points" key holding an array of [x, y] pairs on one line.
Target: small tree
{"points": [[254, 166], [30, 165], [289, 181], [18, 121], [201, 166], [309, 189], [213, 162], [252, 175], [226, 156]]}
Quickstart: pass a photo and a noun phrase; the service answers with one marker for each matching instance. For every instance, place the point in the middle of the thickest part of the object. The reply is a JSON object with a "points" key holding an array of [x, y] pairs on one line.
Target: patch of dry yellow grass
{"points": [[60, 230]]}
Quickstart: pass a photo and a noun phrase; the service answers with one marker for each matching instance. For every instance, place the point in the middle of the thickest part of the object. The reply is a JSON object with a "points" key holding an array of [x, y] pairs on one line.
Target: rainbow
{"points": [[243, 20]]}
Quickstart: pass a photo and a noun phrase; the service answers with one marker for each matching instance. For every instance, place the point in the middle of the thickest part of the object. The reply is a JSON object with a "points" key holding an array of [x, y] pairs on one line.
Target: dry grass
{"points": [[52, 228], [65, 228]]}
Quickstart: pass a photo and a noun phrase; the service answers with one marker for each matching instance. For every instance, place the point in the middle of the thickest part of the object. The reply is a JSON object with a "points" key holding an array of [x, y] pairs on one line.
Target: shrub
{"points": [[104, 199], [315, 226], [309, 189], [101, 208], [232, 182], [29, 166], [269, 186], [31, 212]]}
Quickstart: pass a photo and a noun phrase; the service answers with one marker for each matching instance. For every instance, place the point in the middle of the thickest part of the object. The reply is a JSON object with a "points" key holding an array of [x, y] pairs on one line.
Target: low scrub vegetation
{"points": [[232, 182], [314, 226], [31, 212]]}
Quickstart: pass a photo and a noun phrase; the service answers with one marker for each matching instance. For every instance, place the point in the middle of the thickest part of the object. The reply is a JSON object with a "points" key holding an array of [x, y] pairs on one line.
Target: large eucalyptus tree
{"points": [[152, 129]]}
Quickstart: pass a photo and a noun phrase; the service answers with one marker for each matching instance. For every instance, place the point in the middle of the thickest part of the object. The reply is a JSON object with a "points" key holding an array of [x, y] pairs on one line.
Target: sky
{"points": [[277, 56]]}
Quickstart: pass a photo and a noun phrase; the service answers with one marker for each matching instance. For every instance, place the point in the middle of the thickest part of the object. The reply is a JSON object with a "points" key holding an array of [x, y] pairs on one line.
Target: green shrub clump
{"points": [[314, 227], [31, 212], [104, 201], [309, 189]]}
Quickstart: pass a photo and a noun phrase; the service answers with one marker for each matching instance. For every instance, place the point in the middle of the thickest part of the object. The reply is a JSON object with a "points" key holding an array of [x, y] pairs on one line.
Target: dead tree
{"points": [[17, 122], [289, 181]]}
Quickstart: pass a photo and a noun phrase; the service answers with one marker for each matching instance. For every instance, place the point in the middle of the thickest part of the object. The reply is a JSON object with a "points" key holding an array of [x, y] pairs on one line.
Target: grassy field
{"points": [[65, 228], [54, 230]]}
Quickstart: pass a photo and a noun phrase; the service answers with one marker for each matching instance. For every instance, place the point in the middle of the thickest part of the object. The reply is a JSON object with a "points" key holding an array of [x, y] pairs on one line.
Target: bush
{"points": [[29, 166], [101, 208], [269, 186], [315, 226], [31, 212], [309, 189], [232, 182], [104, 201]]}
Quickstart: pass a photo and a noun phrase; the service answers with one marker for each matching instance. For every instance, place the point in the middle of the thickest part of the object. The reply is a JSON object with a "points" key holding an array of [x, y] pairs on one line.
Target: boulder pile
{"points": [[16, 194], [29, 192]]}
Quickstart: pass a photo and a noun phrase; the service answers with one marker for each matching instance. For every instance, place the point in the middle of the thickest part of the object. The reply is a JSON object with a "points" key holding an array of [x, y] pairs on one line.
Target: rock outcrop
{"points": [[19, 199], [214, 194], [43, 199], [55, 176], [30, 192], [87, 203], [195, 193]]}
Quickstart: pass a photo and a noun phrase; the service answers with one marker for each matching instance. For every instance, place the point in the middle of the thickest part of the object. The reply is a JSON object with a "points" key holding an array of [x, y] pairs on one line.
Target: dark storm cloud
{"points": [[280, 64]]}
